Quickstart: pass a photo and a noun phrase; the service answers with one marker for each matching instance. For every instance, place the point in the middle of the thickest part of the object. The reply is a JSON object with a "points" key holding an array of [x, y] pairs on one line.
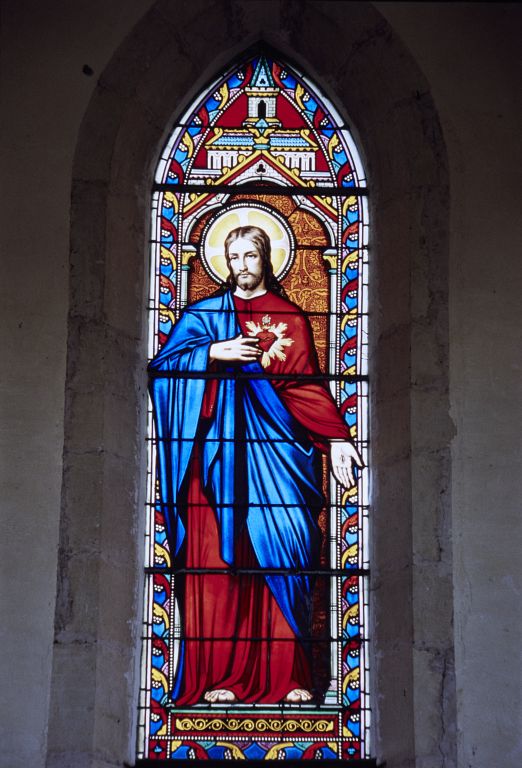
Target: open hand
{"points": [[343, 456], [242, 349]]}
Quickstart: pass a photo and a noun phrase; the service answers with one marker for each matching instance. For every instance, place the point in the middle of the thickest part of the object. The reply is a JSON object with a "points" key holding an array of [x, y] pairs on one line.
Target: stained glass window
{"points": [[256, 562]]}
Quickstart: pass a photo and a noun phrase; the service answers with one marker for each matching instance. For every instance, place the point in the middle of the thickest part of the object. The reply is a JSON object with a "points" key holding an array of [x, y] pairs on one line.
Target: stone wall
{"points": [[432, 93], [470, 56]]}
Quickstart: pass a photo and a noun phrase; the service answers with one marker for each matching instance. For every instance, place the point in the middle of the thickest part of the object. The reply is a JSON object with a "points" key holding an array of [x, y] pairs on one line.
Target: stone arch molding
{"points": [[351, 52]]}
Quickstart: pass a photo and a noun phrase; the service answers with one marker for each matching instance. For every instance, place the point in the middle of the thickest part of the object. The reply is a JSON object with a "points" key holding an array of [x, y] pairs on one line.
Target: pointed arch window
{"points": [[279, 601]]}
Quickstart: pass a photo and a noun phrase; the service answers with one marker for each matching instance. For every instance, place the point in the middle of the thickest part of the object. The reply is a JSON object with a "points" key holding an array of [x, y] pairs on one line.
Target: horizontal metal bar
{"points": [[262, 189], [192, 505], [342, 638], [273, 313], [241, 708], [250, 640], [298, 378], [330, 572], [297, 247], [239, 440]]}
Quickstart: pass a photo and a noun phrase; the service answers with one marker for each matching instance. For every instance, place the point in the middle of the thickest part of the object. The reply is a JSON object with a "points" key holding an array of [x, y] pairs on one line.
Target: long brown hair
{"points": [[261, 242]]}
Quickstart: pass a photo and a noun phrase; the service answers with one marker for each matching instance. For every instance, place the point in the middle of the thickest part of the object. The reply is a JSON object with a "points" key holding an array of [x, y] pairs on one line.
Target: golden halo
{"points": [[245, 216]]}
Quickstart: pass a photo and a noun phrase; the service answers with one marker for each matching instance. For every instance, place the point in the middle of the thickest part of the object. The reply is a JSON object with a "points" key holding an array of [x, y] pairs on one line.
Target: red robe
{"points": [[236, 636]]}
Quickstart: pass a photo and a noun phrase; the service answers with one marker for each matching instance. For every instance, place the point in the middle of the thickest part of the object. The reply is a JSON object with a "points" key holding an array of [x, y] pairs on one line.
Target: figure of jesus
{"points": [[240, 478]]}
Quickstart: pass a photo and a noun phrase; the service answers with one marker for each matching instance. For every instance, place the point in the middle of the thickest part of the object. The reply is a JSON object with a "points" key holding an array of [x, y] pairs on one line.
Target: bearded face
{"points": [[246, 264]]}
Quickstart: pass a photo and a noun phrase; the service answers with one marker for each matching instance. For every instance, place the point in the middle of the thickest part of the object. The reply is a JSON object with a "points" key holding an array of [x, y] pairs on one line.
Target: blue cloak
{"points": [[259, 466]]}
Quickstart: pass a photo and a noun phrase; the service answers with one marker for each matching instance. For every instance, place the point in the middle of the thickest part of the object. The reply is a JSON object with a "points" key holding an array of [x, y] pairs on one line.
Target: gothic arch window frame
{"points": [[97, 640]]}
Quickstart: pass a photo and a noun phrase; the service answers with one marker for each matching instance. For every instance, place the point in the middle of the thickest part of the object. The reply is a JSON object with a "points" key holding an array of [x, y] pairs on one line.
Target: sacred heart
{"points": [[266, 339], [271, 339]]}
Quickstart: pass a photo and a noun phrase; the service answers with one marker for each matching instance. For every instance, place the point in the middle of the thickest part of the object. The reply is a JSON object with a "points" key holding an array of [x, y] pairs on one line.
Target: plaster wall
{"points": [[470, 54]]}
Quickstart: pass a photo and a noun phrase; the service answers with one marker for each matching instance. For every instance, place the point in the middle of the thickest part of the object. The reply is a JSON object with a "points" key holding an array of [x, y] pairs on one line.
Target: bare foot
{"points": [[298, 696], [220, 696]]}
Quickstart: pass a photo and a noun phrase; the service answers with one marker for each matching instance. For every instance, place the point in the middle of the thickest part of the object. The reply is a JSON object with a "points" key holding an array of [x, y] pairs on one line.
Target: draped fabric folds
{"points": [[259, 468]]}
